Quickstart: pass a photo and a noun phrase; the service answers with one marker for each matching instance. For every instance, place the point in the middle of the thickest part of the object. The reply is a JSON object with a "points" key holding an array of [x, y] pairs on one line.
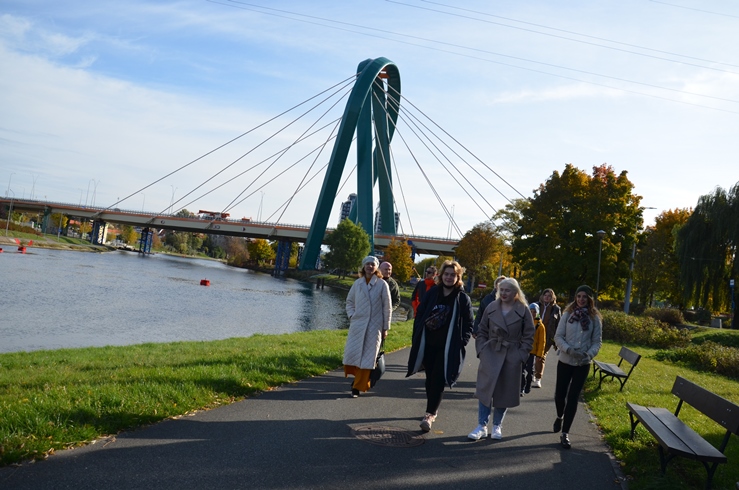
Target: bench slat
{"points": [[721, 410], [610, 369], [698, 448]]}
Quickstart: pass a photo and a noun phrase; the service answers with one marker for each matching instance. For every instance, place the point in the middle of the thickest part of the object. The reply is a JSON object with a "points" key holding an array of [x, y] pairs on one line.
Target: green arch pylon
{"points": [[366, 100]]}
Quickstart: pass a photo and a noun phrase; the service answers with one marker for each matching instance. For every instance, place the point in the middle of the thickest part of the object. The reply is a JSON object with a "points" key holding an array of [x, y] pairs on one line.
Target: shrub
{"points": [[673, 316], [623, 328], [708, 356]]}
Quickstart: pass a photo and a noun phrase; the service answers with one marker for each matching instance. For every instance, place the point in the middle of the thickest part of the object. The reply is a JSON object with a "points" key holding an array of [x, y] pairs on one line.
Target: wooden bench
{"points": [[677, 439], [614, 371]]}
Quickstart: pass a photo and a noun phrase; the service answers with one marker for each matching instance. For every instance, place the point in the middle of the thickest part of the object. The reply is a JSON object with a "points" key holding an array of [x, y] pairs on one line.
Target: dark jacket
{"points": [[460, 331], [484, 302]]}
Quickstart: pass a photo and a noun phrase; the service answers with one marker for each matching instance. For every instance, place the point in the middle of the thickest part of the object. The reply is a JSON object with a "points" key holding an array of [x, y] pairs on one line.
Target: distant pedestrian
{"points": [[484, 302], [503, 343], [536, 351], [368, 308], [386, 268], [441, 331], [550, 313], [578, 340], [422, 286]]}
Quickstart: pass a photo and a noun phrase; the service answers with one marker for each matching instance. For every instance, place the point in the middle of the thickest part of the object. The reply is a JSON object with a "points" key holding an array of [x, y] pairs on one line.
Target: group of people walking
{"points": [[512, 339]]}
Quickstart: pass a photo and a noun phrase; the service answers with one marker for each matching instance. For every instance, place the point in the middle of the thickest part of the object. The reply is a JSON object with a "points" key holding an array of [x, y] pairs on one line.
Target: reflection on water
{"points": [[55, 299]]}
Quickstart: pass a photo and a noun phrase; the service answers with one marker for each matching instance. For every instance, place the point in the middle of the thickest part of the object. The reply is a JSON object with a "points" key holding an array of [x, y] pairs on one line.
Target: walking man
{"points": [[387, 270]]}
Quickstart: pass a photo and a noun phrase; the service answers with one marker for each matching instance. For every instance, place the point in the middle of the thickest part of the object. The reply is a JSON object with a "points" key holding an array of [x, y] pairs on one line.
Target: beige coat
{"points": [[503, 344], [369, 310]]}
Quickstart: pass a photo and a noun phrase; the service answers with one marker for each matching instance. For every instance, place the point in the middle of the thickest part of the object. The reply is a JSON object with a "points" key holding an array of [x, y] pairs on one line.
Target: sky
{"points": [[103, 101]]}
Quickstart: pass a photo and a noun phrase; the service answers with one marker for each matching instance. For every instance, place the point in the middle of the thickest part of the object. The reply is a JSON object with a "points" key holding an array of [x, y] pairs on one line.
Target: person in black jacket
{"points": [[484, 302], [441, 331]]}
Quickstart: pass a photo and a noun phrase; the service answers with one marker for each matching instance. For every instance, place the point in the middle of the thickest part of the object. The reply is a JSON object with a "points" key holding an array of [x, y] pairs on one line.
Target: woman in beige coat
{"points": [[369, 309], [503, 343]]}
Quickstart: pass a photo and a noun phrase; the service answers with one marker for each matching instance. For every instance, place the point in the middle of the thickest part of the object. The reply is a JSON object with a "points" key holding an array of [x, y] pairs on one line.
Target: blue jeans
{"points": [[483, 415]]}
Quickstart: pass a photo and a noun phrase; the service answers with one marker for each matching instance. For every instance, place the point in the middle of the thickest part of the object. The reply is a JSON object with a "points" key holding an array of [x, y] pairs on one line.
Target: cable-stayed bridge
{"points": [[370, 120]]}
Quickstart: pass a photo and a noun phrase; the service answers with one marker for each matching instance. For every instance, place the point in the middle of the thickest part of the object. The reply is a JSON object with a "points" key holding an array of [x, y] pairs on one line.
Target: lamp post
{"points": [[171, 201], [10, 210], [600, 234], [9, 179], [144, 202], [94, 192], [88, 191]]}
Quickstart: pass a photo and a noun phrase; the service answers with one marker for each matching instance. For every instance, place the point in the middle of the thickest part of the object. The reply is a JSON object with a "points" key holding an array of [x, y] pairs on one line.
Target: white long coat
{"points": [[369, 310]]}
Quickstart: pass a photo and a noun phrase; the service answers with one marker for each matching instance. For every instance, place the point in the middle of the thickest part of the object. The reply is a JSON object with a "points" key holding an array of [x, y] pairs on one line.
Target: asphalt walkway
{"points": [[311, 434]]}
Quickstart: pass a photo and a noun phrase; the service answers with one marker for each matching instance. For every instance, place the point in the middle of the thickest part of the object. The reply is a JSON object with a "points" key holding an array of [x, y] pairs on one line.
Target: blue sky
{"points": [[100, 99]]}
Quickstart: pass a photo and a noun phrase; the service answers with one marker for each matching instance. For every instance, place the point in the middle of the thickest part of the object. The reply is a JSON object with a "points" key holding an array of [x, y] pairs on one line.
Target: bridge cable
{"points": [[227, 143], [468, 151], [257, 146], [483, 177], [298, 139]]}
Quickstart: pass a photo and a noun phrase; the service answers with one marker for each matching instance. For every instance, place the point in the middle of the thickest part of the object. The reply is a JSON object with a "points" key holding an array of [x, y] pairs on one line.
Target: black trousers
{"points": [[433, 361], [570, 380]]}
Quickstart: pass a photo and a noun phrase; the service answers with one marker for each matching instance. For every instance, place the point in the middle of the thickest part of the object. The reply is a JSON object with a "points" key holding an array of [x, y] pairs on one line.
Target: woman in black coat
{"points": [[441, 330]]}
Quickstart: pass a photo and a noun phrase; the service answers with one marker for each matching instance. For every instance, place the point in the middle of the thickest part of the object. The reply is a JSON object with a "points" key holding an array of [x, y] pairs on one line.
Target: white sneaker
{"points": [[481, 432], [427, 421], [536, 383], [497, 433]]}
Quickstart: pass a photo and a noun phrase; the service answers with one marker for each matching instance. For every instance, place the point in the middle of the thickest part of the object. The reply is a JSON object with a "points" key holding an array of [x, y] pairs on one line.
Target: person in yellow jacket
{"points": [[536, 351]]}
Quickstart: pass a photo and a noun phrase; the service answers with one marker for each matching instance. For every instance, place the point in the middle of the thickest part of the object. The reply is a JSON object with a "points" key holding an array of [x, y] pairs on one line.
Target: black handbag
{"points": [[379, 370]]}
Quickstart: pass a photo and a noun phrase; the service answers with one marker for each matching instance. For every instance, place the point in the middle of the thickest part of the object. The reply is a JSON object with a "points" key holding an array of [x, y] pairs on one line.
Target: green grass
{"points": [[651, 385], [51, 400]]}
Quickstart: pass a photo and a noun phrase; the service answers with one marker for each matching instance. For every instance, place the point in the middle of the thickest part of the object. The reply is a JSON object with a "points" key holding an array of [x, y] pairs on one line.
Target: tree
{"points": [[708, 249], [260, 250], [398, 253], [556, 243], [479, 249], [58, 221], [348, 245], [657, 269], [129, 235], [237, 253]]}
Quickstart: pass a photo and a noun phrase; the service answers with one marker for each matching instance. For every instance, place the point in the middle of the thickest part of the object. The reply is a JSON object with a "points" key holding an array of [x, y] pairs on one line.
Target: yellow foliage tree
{"points": [[398, 253]]}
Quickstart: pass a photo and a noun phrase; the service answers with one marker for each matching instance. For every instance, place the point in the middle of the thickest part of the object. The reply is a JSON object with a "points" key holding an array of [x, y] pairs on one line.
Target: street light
{"points": [[143, 203], [600, 234], [10, 210], [171, 201], [9, 179], [94, 192]]}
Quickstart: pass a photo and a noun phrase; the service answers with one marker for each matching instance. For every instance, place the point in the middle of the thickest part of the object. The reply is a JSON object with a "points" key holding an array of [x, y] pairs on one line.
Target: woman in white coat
{"points": [[369, 308]]}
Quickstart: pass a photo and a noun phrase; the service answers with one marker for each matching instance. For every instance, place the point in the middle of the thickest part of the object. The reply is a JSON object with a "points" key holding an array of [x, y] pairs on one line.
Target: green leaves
{"points": [[348, 244]]}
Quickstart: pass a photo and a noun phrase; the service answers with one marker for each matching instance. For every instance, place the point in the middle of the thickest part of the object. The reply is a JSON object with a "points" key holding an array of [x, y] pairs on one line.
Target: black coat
{"points": [[461, 331]]}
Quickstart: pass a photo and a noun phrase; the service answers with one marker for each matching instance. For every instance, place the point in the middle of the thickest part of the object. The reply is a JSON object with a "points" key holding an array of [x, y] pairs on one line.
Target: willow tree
{"points": [[707, 248], [557, 243]]}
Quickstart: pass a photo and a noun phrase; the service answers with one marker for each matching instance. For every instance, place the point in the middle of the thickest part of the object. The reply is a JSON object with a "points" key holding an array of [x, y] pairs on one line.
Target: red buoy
{"points": [[204, 282]]}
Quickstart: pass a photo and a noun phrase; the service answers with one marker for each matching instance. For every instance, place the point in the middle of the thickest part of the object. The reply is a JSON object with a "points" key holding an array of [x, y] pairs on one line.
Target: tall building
{"points": [[346, 207], [378, 220]]}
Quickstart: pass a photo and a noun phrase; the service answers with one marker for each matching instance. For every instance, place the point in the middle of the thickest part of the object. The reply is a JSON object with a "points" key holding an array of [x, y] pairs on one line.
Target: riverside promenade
{"points": [[311, 434]]}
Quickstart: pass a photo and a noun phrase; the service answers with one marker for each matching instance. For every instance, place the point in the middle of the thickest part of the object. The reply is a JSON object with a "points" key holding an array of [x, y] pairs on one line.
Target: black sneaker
{"points": [[565, 440], [355, 393], [557, 425]]}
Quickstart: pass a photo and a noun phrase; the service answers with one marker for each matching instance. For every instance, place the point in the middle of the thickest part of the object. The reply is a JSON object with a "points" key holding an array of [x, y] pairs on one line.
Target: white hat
{"points": [[370, 258]]}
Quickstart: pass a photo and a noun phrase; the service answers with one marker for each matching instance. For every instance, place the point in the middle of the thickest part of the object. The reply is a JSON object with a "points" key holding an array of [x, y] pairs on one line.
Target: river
{"points": [[51, 299]]}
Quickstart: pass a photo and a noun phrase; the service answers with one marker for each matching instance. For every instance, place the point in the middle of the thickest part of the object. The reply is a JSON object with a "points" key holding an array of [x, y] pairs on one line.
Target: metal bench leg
{"points": [[711, 470], [634, 423], [664, 459], [622, 383]]}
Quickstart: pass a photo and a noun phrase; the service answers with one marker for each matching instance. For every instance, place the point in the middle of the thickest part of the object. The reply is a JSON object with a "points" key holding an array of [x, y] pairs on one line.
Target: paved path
{"points": [[301, 436]]}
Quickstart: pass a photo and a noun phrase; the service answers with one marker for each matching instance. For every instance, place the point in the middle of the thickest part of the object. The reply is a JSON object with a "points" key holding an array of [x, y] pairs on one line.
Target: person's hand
{"points": [[586, 358]]}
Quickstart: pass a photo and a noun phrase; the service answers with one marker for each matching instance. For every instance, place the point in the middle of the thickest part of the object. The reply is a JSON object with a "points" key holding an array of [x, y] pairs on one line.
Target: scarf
{"points": [[580, 315]]}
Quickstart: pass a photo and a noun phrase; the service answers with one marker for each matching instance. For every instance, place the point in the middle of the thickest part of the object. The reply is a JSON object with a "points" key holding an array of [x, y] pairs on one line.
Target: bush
{"points": [[708, 356], [673, 316], [626, 329]]}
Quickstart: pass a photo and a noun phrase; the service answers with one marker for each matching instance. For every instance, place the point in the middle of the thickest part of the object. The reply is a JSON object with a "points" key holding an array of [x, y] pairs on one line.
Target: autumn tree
{"points": [[398, 253], [260, 250], [236, 251], [656, 268], [129, 235], [556, 243], [58, 221], [479, 249], [348, 245]]}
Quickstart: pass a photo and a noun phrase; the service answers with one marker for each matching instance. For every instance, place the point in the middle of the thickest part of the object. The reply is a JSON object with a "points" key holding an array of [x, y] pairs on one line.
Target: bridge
{"points": [[369, 122], [227, 227]]}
